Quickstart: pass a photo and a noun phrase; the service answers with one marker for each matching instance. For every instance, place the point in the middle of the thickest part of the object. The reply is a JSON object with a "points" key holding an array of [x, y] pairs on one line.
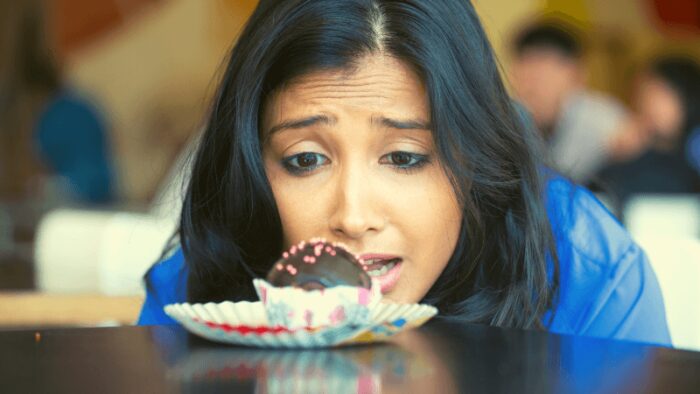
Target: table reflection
{"points": [[441, 357], [402, 365]]}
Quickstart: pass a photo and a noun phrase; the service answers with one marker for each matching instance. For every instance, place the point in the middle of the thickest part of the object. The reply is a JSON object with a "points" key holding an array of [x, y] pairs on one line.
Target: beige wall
{"points": [[152, 77], [622, 35], [500, 19]]}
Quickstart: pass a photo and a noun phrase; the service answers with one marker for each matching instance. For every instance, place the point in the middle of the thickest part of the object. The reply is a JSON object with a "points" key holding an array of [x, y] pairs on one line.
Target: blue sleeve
{"points": [[166, 283], [631, 306], [152, 312], [607, 288]]}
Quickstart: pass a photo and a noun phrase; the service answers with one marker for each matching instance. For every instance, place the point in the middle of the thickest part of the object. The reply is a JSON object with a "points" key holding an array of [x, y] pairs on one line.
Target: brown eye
{"points": [[307, 160], [304, 162], [401, 158], [405, 161]]}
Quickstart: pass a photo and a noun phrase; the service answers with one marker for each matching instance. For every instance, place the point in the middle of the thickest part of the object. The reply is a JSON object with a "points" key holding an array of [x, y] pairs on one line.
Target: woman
{"points": [[385, 125]]}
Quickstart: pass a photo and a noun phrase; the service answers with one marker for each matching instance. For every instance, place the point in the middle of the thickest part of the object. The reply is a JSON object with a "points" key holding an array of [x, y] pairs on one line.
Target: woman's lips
{"points": [[387, 269]]}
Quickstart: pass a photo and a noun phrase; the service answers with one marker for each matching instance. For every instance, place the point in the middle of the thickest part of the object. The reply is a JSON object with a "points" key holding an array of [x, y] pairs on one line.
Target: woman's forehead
{"points": [[381, 70], [376, 83]]}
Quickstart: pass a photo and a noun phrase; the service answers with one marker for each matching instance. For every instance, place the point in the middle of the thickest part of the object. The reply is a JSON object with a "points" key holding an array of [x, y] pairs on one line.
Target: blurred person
{"points": [[578, 125], [663, 154], [385, 125], [48, 132]]}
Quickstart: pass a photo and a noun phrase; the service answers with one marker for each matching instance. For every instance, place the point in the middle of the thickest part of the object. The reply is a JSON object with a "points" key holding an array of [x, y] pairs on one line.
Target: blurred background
{"points": [[101, 101]]}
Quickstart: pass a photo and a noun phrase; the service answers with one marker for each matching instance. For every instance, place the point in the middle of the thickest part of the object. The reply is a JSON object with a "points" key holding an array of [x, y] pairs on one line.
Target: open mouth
{"points": [[384, 269], [379, 267]]}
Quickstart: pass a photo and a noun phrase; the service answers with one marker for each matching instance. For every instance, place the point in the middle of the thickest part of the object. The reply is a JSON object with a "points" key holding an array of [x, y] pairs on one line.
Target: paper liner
{"points": [[292, 307], [246, 323]]}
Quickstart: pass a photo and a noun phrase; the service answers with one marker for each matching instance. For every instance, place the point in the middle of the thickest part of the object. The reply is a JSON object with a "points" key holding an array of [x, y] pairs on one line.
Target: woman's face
{"points": [[350, 158]]}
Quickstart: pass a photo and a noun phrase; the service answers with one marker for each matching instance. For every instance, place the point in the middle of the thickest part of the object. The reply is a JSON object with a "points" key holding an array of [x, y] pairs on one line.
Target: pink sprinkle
{"points": [[338, 315], [366, 384], [363, 296], [291, 269], [279, 266], [312, 259], [293, 250], [332, 252], [285, 255], [329, 249]]}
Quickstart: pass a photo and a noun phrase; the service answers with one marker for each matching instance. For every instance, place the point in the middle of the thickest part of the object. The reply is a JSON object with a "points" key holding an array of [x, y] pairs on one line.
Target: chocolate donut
{"points": [[318, 264]]}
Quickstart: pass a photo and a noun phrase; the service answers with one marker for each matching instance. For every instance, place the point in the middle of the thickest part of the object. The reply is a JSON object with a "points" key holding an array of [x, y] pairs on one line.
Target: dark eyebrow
{"points": [[301, 123], [403, 124]]}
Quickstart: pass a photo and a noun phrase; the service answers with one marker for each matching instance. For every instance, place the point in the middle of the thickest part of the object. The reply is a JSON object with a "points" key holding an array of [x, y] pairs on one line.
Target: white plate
{"points": [[245, 323]]}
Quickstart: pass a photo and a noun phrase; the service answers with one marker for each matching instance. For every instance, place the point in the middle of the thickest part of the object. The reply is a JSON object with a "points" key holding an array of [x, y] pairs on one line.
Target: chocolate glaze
{"points": [[318, 264]]}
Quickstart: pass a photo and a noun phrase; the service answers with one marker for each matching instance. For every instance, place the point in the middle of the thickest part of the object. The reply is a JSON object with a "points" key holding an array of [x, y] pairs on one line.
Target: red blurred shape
{"points": [[678, 13], [78, 22]]}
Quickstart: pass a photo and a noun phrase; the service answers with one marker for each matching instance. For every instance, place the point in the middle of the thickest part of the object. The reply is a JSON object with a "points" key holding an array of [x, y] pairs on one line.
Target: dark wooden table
{"points": [[440, 357]]}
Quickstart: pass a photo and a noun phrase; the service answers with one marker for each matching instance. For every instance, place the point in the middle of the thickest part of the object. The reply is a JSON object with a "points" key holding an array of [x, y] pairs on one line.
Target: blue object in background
{"points": [[692, 149], [72, 141]]}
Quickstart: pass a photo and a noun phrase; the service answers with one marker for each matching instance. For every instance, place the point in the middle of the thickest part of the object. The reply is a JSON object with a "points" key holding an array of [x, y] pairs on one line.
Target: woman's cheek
{"points": [[302, 213]]}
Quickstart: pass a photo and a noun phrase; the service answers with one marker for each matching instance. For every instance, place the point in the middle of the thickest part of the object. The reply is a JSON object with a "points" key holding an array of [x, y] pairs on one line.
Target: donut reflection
{"points": [[404, 364]]}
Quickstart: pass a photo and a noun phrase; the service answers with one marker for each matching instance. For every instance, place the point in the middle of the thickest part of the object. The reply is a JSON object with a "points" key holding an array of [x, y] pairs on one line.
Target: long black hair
{"points": [[230, 229]]}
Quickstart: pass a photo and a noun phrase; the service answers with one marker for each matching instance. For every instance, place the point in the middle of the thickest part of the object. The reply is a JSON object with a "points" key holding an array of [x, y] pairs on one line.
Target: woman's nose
{"points": [[356, 211]]}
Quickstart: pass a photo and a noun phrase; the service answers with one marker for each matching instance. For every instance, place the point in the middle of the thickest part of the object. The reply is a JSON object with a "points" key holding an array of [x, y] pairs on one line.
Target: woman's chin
{"points": [[393, 298]]}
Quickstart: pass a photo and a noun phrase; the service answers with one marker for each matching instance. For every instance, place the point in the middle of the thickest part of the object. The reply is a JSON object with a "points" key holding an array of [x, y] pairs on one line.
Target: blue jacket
{"points": [[607, 287]]}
